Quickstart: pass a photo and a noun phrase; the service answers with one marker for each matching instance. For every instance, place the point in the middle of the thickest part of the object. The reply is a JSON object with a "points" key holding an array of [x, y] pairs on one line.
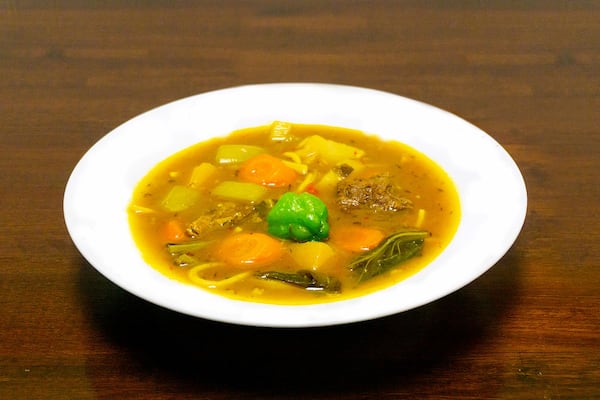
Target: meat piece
{"points": [[224, 215], [376, 192]]}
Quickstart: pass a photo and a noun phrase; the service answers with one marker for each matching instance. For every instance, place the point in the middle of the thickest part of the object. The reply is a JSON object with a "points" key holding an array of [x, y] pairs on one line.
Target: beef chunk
{"points": [[376, 192], [223, 215]]}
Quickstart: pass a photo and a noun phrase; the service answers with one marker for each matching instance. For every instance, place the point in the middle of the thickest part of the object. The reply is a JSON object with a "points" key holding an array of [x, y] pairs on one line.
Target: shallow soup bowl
{"points": [[491, 189]]}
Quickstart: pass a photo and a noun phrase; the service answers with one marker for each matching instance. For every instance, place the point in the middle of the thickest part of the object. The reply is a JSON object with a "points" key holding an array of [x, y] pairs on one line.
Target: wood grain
{"points": [[527, 73]]}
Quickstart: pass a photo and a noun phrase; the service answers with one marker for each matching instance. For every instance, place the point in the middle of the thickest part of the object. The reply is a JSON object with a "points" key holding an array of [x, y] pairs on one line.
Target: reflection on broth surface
{"points": [[294, 214]]}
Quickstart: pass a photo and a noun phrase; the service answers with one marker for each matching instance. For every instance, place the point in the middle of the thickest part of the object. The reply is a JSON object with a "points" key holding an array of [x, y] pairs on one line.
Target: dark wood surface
{"points": [[526, 72]]}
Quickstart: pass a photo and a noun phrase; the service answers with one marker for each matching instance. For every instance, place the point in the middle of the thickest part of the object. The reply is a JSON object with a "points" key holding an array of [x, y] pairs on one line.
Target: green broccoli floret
{"points": [[300, 217]]}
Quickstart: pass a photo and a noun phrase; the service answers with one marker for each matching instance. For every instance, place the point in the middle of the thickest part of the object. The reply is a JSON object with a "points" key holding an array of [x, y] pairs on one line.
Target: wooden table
{"points": [[527, 73]]}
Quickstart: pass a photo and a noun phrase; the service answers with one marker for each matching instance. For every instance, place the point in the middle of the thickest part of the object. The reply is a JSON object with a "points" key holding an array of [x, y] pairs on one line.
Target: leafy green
{"points": [[392, 251], [185, 247], [183, 253], [308, 280]]}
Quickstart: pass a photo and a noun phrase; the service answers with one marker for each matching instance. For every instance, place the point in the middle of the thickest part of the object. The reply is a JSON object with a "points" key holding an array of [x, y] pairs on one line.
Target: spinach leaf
{"points": [[308, 280], [392, 251]]}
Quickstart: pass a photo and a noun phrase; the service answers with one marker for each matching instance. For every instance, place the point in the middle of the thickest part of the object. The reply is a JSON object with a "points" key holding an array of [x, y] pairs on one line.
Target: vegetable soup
{"points": [[294, 214]]}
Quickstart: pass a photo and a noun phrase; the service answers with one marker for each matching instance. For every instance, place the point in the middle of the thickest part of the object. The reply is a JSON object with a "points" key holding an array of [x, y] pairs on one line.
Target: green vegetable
{"points": [[300, 217], [236, 153], [185, 247], [240, 191], [179, 198], [183, 252], [305, 279], [280, 131], [185, 260], [393, 250]]}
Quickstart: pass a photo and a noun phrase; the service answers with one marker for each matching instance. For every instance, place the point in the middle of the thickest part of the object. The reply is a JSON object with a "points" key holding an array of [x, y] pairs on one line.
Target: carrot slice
{"points": [[249, 249], [173, 231], [356, 238], [267, 170]]}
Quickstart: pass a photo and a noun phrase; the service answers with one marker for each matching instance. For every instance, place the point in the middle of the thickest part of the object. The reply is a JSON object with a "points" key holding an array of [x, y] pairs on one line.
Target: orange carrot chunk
{"points": [[356, 238], [173, 231], [249, 249], [267, 170]]}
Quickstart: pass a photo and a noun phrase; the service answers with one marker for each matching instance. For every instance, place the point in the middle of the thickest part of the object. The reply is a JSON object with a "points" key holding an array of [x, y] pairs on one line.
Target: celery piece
{"points": [[200, 174], [180, 198], [280, 131], [241, 191], [236, 153]]}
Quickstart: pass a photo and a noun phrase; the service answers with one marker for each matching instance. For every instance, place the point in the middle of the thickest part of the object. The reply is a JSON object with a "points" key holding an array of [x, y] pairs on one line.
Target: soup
{"points": [[293, 214]]}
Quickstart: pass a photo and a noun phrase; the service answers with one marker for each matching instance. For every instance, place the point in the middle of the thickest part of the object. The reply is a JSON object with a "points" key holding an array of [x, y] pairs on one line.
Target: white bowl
{"points": [[491, 189]]}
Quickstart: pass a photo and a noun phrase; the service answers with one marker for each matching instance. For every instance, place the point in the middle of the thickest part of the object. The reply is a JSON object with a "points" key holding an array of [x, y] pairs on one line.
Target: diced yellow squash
{"points": [[311, 255], [328, 182], [331, 178], [200, 174], [331, 152]]}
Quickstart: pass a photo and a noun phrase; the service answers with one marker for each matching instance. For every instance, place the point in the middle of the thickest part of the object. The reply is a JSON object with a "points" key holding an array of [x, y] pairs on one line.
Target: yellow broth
{"points": [[435, 208]]}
